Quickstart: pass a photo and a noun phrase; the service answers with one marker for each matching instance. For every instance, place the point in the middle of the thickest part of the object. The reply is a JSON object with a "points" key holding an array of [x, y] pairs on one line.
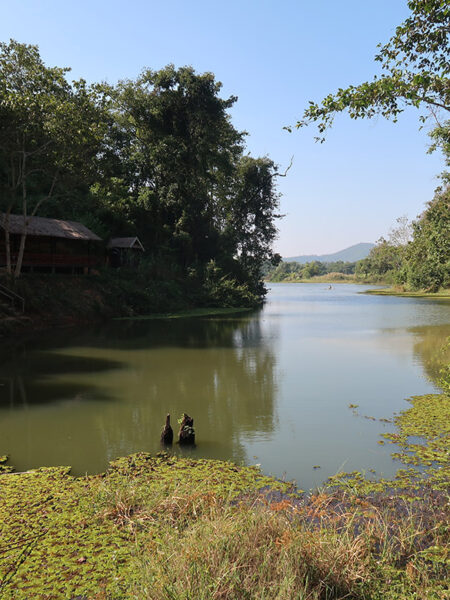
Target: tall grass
{"points": [[197, 546]]}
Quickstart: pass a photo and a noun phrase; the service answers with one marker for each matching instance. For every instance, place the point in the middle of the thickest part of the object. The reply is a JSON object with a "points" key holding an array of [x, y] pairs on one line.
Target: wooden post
{"points": [[167, 433], [186, 435]]}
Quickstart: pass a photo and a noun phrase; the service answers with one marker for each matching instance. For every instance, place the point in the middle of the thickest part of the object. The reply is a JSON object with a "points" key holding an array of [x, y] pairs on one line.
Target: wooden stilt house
{"points": [[124, 251], [51, 244]]}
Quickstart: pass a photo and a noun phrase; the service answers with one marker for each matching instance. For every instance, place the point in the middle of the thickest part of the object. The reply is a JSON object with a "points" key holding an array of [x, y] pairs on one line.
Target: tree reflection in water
{"points": [[431, 349], [107, 393]]}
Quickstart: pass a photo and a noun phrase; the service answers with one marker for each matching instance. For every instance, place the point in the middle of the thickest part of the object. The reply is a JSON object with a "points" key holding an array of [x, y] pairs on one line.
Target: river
{"points": [[271, 387]]}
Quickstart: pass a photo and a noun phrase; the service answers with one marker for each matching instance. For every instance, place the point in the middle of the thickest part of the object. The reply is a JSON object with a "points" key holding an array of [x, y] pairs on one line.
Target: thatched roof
{"points": [[126, 242], [49, 227]]}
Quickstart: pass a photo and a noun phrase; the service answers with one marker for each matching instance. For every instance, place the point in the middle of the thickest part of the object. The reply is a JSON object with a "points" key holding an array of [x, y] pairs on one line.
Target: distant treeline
{"points": [[156, 156], [415, 255], [291, 271]]}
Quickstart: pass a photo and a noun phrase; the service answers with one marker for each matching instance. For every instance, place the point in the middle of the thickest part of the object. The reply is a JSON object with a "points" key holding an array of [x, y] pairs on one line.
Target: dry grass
{"points": [[197, 546]]}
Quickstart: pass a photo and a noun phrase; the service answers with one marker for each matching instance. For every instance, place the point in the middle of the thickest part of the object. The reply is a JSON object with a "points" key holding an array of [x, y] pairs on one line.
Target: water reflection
{"points": [[275, 384], [107, 394], [431, 349]]}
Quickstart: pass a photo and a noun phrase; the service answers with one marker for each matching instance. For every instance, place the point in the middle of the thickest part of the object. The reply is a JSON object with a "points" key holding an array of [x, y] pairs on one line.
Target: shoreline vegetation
{"points": [[156, 527], [190, 313], [157, 157], [159, 527], [338, 278], [66, 300], [443, 294]]}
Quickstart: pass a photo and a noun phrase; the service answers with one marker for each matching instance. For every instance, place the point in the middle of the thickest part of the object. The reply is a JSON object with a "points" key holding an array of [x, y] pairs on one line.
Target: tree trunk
{"points": [[23, 238]]}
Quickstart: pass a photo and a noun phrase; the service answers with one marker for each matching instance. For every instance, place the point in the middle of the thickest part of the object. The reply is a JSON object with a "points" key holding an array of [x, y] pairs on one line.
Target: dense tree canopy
{"points": [[50, 130], [427, 263], [156, 157]]}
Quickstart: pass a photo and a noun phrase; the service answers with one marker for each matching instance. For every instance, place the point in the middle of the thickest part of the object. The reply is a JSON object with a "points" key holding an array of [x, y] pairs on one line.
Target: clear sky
{"points": [[275, 56]]}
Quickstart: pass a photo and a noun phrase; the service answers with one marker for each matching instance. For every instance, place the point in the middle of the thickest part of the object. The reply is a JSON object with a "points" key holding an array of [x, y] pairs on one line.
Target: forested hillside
{"points": [[350, 254]]}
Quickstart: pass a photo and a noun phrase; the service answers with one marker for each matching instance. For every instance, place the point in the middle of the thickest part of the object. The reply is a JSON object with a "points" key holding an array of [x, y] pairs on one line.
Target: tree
{"points": [[49, 130], [401, 235], [179, 151], [428, 256], [385, 260], [250, 227], [415, 64]]}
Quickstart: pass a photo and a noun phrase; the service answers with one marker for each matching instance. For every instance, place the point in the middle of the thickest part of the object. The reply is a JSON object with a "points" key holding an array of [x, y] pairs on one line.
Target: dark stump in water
{"points": [[186, 435], [167, 433]]}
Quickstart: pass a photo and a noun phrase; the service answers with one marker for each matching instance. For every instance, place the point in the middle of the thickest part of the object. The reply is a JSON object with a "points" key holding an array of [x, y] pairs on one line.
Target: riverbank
{"points": [[190, 313], [162, 527], [67, 300], [157, 527], [336, 278], [332, 278], [441, 294]]}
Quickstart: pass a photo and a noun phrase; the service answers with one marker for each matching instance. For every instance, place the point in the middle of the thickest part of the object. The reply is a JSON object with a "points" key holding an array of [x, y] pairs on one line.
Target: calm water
{"points": [[270, 388]]}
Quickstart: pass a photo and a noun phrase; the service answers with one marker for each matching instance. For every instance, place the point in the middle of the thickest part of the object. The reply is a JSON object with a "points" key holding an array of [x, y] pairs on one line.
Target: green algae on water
{"points": [[62, 536]]}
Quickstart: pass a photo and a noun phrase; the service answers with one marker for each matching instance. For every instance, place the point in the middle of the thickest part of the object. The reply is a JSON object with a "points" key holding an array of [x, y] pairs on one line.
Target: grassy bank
{"points": [[164, 527], [332, 278], [157, 528], [393, 291]]}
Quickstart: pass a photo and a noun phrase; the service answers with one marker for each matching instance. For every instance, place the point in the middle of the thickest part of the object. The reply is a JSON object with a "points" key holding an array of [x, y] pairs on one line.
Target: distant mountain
{"points": [[351, 254]]}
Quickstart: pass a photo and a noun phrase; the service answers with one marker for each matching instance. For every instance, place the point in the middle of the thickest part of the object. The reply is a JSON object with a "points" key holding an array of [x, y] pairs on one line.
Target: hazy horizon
{"points": [[326, 253]]}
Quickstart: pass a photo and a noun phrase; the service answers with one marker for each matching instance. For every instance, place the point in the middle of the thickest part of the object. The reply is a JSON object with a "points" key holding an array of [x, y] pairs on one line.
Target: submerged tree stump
{"points": [[167, 433], [186, 435]]}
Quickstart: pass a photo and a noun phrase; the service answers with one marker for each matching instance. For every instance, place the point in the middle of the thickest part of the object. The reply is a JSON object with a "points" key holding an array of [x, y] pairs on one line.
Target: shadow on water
{"points": [[199, 332], [275, 384], [220, 370], [28, 378]]}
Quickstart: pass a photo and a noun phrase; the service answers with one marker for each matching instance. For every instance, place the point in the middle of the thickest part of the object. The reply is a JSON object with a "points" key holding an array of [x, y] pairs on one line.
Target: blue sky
{"points": [[275, 56]]}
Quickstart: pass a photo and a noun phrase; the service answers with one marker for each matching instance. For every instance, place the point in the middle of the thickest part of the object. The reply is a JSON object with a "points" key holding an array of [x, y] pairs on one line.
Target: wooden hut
{"points": [[124, 251], [52, 244]]}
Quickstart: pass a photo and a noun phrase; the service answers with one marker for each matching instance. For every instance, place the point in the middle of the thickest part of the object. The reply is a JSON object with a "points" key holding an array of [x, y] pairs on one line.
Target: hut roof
{"points": [[126, 242], [49, 227]]}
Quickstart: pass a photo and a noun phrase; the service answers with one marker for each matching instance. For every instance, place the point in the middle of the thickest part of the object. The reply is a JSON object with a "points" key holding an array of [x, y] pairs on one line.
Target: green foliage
{"points": [[384, 261], [293, 271], [416, 68], [161, 527], [444, 373], [156, 157], [51, 133], [428, 256], [86, 531], [415, 64], [222, 290], [420, 263]]}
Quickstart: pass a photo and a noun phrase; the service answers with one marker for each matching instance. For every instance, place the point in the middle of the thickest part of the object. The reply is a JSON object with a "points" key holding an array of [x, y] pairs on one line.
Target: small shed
{"points": [[51, 244], [124, 251]]}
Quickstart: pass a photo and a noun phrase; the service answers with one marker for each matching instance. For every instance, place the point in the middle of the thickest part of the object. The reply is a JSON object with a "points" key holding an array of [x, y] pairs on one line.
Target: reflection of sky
{"points": [[335, 348], [275, 385]]}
